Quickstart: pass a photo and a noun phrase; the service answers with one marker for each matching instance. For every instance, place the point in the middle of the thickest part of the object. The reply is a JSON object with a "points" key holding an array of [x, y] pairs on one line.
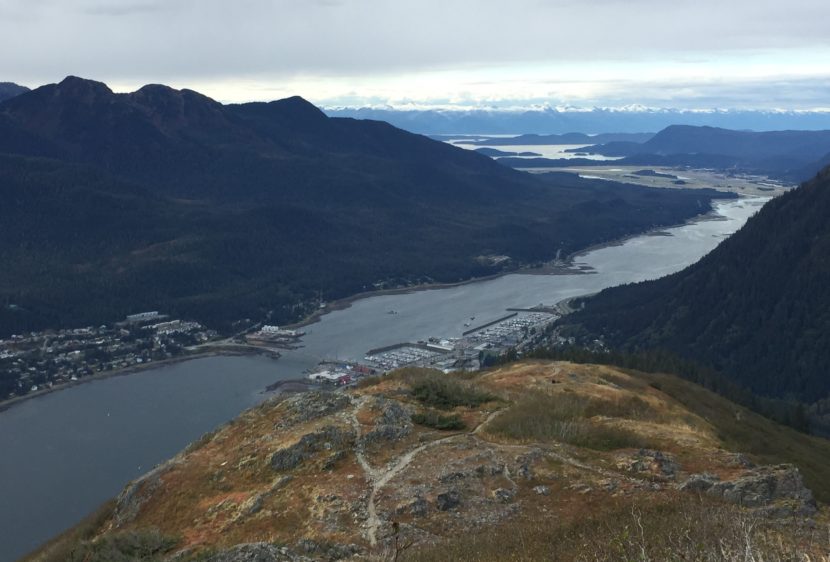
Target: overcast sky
{"points": [[665, 53]]}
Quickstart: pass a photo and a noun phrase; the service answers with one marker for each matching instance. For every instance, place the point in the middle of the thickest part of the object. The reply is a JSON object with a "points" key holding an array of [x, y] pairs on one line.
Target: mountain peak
{"points": [[162, 91], [73, 85], [164, 98], [299, 107], [9, 90]]}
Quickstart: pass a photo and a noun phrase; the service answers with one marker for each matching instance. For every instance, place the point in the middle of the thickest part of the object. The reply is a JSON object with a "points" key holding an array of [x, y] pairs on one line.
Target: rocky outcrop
{"points": [[329, 438], [129, 501], [448, 500], [655, 463], [257, 552], [394, 422], [310, 406], [774, 490], [326, 551]]}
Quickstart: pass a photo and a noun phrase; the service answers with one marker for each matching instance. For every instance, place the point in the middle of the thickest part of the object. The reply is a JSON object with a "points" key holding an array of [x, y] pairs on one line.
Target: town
{"points": [[478, 347], [38, 361], [41, 361]]}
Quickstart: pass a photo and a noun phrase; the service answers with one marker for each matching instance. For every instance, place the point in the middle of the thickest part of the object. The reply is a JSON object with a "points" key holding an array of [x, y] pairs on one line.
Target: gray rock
{"points": [[451, 477], [326, 550], [739, 460], [393, 423], [779, 490], [417, 507], [503, 495], [448, 500], [136, 494], [525, 462], [256, 504], [313, 405], [699, 482], [542, 490], [656, 462], [327, 438], [257, 552]]}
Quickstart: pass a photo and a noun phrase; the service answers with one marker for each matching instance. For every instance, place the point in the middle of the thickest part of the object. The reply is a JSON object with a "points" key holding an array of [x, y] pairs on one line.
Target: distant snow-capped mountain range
{"points": [[558, 120]]}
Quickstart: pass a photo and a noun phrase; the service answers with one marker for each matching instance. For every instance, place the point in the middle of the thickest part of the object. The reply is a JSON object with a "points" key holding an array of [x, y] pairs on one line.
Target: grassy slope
{"points": [[741, 429], [695, 426]]}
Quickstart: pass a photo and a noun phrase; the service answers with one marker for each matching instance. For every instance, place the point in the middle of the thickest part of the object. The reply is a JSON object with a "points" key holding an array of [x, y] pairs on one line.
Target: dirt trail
{"points": [[379, 477]]}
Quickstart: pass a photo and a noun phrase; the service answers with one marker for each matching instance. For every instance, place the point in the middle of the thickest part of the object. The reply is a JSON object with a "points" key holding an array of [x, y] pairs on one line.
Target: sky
{"points": [[694, 54]]}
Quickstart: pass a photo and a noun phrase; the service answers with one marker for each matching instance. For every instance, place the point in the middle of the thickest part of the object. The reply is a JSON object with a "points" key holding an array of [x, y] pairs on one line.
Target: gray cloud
{"points": [[280, 40], [122, 9]]}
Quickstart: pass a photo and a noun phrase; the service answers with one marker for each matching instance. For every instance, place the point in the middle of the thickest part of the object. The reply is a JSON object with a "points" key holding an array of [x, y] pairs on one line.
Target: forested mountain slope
{"points": [[167, 200], [757, 308], [791, 155]]}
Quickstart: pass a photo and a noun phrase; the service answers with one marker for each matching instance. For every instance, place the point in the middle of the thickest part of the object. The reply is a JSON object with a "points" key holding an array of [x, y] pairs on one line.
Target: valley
{"points": [[118, 421], [438, 281]]}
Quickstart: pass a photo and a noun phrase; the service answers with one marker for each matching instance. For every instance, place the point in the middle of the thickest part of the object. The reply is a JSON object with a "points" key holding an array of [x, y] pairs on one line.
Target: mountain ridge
{"points": [[755, 308], [546, 121], [455, 467], [9, 90], [260, 210]]}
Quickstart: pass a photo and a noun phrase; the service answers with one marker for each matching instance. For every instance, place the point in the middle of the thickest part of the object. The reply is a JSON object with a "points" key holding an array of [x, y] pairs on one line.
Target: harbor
{"points": [[476, 348]]}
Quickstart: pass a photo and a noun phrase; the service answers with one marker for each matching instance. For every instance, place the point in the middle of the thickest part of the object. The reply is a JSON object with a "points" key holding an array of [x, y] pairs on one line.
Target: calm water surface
{"points": [[63, 454]]}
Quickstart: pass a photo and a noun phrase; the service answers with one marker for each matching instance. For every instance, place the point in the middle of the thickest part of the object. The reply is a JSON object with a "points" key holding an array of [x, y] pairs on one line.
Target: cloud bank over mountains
{"points": [[699, 54]]}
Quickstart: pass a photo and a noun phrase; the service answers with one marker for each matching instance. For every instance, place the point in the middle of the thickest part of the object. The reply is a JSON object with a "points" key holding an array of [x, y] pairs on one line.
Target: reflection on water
{"points": [[554, 151]]}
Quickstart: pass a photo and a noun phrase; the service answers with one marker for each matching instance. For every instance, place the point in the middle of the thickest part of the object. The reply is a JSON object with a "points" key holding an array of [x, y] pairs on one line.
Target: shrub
{"points": [[433, 419], [366, 382], [687, 529], [145, 545], [565, 417], [446, 392]]}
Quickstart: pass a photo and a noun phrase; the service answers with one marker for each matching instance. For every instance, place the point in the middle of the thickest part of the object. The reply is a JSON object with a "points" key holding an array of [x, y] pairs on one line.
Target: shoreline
{"points": [[131, 370], [711, 215], [568, 267], [563, 267]]}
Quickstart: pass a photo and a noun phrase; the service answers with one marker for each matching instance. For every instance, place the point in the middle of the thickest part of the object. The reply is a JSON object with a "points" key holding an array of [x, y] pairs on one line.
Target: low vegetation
{"points": [[145, 545], [741, 429], [438, 390], [367, 382], [433, 419], [567, 417], [498, 485], [684, 529]]}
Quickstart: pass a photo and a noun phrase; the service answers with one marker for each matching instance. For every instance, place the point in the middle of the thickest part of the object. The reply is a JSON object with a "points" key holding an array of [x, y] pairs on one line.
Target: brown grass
{"points": [[685, 529], [567, 417]]}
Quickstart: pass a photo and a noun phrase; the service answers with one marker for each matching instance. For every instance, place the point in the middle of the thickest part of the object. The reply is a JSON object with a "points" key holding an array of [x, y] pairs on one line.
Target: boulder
{"points": [[654, 462], [393, 423], [313, 405], [778, 490], [325, 439], [448, 500], [257, 552], [418, 507]]}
